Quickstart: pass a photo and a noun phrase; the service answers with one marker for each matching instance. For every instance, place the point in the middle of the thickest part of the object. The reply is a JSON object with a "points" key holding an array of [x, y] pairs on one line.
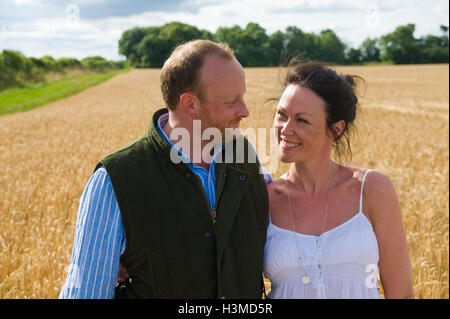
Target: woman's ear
{"points": [[338, 128], [190, 104]]}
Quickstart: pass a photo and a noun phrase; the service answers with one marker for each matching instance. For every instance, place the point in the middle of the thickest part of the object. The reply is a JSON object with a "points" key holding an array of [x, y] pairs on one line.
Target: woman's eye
{"points": [[302, 121]]}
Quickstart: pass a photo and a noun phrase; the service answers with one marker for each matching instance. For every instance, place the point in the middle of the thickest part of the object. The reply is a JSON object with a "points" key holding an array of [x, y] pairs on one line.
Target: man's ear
{"points": [[190, 104]]}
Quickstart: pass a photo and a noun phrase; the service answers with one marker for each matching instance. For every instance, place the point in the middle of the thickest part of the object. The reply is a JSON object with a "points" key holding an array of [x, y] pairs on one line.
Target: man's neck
{"points": [[194, 153]]}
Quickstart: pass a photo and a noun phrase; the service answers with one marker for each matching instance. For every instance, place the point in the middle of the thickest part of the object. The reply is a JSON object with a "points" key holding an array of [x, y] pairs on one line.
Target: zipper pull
{"points": [[213, 216]]}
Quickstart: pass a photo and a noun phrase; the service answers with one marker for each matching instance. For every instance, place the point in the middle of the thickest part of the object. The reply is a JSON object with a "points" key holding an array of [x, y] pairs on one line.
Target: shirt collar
{"points": [[162, 121]]}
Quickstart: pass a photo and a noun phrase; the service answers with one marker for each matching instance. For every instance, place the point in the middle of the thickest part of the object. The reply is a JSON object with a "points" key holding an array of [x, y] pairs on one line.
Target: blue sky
{"points": [[80, 28]]}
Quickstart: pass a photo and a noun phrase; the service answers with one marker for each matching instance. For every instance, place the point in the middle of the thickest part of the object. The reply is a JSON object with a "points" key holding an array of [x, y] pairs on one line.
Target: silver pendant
{"points": [[305, 280]]}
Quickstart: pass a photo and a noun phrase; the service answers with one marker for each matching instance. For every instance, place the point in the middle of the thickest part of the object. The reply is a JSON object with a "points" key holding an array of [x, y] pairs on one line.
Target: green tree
{"points": [[152, 51], [300, 43], [7, 76], [150, 47], [354, 56], [275, 48], [49, 62], [176, 33], [207, 35], [230, 35], [400, 46], [16, 61], [252, 40], [370, 51], [331, 48], [97, 63], [64, 63], [433, 50], [129, 41]]}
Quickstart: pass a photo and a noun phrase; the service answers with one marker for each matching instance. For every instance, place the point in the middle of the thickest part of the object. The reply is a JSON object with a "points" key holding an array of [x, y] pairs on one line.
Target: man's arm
{"points": [[98, 244]]}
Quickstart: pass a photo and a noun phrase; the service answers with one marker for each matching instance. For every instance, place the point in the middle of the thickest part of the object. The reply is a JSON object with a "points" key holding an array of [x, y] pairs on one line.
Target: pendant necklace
{"points": [[306, 279]]}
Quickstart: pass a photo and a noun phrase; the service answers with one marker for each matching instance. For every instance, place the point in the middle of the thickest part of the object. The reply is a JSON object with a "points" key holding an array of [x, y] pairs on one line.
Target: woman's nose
{"points": [[286, 128]]}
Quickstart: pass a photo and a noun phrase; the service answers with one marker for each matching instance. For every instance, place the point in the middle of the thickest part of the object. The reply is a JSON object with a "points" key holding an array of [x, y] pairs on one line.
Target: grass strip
{"points": [[24, 99]]}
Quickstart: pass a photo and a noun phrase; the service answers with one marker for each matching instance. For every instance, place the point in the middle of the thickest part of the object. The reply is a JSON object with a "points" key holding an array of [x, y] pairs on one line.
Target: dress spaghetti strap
{"points": [[362, 187]]}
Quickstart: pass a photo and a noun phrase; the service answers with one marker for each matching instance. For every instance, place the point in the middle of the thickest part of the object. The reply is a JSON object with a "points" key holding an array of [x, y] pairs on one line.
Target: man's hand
{"points": [[122, 275]]}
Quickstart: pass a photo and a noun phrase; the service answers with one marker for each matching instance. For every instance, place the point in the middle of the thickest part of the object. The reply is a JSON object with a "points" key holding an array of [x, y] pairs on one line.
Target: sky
{"points": [[81, 28]]}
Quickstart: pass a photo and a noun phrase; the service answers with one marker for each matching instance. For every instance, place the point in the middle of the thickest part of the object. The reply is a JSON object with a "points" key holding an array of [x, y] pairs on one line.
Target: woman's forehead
{"points": [[300, 99]]}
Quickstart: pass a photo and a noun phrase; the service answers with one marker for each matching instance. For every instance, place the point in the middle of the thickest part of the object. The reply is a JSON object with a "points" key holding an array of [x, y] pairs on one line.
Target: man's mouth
{"points": [[235, 124]]}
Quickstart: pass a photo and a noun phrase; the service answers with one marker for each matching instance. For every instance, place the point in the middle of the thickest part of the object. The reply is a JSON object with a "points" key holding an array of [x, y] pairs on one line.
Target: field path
{"points": [[48, 154]]}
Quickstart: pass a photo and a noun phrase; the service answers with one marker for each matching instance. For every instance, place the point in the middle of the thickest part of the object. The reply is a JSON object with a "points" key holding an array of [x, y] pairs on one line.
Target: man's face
{"points": [[223, 87]]}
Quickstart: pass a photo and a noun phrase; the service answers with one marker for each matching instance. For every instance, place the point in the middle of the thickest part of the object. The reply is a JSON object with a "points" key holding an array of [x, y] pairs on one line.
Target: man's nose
{"points": [[243, 111]]}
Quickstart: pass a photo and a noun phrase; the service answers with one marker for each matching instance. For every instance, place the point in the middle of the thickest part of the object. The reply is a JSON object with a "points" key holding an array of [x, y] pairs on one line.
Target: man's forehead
{"points": [[222, 75], [214, 65]]}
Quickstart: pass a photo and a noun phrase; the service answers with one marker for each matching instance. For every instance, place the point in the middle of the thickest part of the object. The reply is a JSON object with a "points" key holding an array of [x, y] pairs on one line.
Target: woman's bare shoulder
{"points": [[380, 196], [374, 179], [378, 183]]}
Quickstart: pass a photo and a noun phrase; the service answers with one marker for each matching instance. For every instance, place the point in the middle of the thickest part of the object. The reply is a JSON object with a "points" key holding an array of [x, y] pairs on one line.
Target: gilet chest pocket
{"points": [[159, 272]]}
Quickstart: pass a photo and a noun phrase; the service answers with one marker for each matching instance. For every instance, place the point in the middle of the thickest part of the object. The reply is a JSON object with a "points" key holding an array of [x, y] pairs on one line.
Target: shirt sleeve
{"points": [[267, 176], [262, 170], [99, 241]]}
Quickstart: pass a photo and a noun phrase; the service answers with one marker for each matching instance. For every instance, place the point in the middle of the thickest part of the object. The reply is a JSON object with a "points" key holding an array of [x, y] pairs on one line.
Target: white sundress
{"points": [[340, 263]]}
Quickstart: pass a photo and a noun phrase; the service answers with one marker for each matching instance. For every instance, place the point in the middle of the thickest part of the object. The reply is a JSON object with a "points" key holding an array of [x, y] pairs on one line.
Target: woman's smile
{"points": [[288, 145]]}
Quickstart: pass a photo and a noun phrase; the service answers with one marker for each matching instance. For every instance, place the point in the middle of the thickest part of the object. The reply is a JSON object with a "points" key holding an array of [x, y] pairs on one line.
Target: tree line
{"points": [[19, 70], [151, 46]]}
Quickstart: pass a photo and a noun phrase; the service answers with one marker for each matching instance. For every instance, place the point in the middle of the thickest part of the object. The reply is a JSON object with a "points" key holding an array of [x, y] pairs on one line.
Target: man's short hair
{"points": [[181, 71]]}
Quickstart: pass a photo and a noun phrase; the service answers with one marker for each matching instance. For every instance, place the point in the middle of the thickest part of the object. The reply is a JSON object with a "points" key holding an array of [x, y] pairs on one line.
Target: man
{"points": [[189, 229]]}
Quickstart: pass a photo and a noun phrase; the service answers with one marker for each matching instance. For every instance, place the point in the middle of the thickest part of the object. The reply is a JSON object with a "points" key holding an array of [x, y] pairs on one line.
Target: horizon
{"points": [[83, 28]]}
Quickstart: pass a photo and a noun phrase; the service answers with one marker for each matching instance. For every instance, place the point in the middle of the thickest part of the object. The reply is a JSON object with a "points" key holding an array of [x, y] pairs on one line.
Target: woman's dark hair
{"points": [[337, 90]]}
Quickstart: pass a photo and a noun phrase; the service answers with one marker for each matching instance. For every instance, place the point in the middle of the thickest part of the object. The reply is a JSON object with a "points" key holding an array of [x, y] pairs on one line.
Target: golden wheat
{"points": [[48, 154]]}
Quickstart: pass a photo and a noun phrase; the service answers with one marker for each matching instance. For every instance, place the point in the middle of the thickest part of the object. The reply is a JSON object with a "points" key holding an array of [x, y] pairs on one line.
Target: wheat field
{"points": [[48, 154]]}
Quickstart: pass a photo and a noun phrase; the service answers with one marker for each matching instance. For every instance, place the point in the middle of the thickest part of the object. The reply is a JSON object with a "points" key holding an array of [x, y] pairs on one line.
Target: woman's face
{"points": [[300, 121]]}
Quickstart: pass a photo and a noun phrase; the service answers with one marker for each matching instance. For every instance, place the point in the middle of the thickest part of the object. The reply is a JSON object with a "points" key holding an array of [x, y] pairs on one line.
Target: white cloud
{"points": [[353, 21], [27, 2], [89, 2]]}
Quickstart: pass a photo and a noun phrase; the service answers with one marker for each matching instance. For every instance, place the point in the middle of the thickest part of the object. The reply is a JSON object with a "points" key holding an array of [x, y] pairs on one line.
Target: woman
{"points": [[332, 226]]}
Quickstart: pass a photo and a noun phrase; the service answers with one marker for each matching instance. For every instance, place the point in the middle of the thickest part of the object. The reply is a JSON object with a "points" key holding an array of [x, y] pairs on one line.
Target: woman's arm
{"points": [[382, 205]]}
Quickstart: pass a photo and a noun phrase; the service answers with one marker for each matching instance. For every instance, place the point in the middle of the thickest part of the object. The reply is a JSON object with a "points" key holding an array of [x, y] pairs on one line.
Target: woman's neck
{"points": [[313, 177]]}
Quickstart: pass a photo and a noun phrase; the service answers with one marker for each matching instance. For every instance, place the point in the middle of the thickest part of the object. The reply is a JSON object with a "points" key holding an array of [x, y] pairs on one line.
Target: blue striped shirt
{"points": [[99, 241], [208, 178], [99, 235]]}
